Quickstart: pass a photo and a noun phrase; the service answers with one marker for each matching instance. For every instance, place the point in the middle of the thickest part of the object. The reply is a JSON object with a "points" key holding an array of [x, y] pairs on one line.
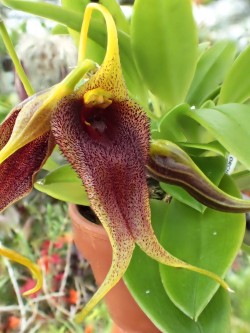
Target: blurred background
{"points": [[38, 226]]}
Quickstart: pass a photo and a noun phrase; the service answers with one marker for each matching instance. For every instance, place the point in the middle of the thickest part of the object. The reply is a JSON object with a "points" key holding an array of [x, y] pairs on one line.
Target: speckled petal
{"points": [[18, 171], [111, 166], [142, 231], [29, 125], [123, 246], [109, 77]]}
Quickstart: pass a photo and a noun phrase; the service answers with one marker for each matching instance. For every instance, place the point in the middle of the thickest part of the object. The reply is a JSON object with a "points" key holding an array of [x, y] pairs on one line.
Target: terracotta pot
{"points": [[92, 242]]}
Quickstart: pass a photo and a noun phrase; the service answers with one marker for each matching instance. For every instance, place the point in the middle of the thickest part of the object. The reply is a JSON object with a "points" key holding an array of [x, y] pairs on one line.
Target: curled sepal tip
{"points": [[123, 246], [109, 76], [35, 270], [170, 164], [145, 238]]}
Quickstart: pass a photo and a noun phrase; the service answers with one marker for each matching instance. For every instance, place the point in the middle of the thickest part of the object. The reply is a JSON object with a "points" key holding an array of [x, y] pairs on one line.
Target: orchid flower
{"points": [[105, 136]]}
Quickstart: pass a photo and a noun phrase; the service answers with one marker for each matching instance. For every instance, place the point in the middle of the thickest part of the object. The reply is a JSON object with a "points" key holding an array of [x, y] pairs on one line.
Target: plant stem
{"points": [[77, 74], [12, 53], [68, 84]]}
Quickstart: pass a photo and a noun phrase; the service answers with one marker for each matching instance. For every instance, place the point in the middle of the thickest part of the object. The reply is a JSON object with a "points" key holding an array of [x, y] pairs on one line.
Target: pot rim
{"points": [[84, 224]]}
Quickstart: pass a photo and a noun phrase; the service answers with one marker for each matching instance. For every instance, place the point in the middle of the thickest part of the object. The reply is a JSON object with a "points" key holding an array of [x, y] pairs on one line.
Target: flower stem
{"points": [[12, 53], [77, 73], [68, 84]]}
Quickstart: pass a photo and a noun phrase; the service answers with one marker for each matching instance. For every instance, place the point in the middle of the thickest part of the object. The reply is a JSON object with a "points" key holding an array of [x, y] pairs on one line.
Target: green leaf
{"points": [[94, 51], [202, 48], [211, 70], [115, 10], [174, 127], [50, 164], [78, 6], [59, 29], [67, 17], [210, 240], [213, 167], [236, 87], [182, 195], [169, 127], [63, 184], [164, 41], [203, 148], [242, 179], [144, 282], [229, 124], [208, 104]]}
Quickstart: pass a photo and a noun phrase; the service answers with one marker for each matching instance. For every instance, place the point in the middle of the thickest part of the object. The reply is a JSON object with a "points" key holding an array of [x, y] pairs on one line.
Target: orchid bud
{"points": [[168, 163]]}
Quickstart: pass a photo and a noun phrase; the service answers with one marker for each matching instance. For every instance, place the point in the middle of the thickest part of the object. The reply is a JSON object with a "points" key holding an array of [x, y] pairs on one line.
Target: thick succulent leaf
{"points": [[229, 124], [18, 171], [63, 184], [236, 86], [213, 167], [211, 70], [144, 282], [164, 41], [210, 240]]}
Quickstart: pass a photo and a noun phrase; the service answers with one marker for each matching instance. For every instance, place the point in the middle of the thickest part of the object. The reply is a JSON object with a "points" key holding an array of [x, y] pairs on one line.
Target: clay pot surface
{"points": [[92, 242]]}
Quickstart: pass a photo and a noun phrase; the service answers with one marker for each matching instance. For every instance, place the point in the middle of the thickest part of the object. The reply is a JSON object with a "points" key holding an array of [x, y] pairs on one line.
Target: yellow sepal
{"points": [[34, 118], [109, 76], [35, 270]]}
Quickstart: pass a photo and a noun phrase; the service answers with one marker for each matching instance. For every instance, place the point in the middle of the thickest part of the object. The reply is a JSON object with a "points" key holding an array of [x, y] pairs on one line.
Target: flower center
{"points": [[97, 97], [96, 114]]}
